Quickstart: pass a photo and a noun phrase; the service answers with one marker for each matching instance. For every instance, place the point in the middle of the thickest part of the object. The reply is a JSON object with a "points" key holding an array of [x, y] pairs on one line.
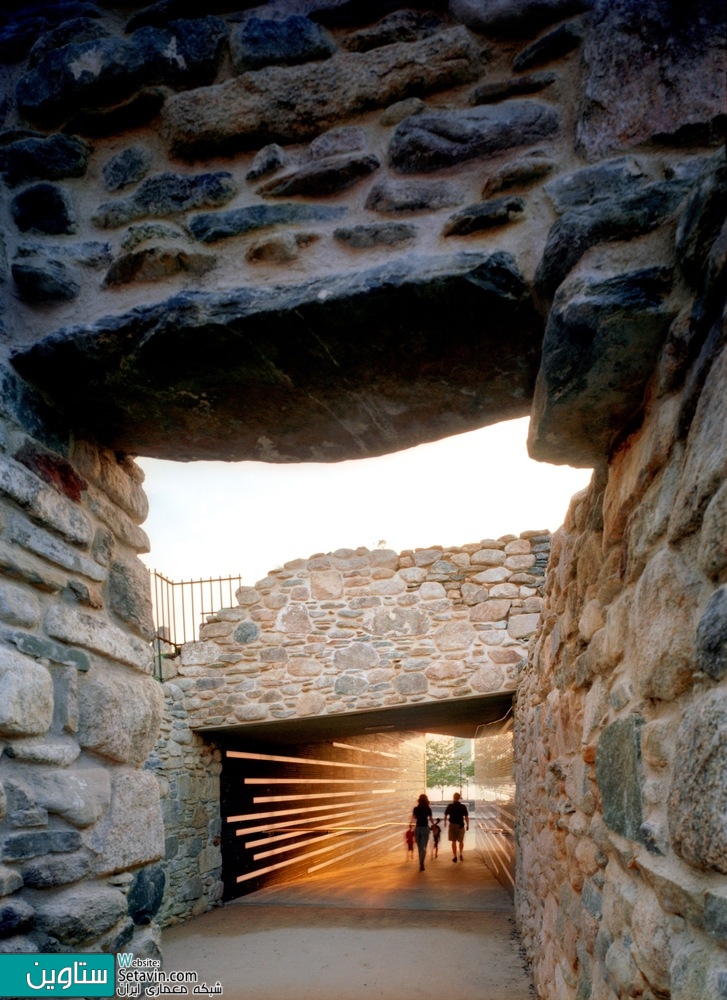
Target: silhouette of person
{"points": [[436, 834], [409, 838], [421, 815], [459, 818]]}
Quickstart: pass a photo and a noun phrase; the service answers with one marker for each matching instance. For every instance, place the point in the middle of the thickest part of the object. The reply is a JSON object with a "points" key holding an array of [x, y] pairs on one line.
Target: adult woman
{"points": [[422, 814]]}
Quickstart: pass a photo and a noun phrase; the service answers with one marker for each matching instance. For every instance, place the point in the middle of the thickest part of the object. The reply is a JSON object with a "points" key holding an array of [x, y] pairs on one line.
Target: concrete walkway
{"points": [[381, 932]]}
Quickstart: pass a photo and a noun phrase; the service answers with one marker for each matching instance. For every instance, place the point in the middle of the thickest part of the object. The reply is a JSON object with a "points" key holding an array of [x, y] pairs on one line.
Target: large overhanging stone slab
{"points": [[347, 366], [294, 103]]}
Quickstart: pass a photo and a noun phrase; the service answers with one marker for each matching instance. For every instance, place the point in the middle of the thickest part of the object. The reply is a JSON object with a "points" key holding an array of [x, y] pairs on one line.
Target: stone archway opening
{"points": [[316, 795], [362, 643]]}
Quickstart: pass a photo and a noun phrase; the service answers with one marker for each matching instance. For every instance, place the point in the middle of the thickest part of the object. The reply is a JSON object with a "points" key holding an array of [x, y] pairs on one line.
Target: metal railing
{"points": [[180, 607]]}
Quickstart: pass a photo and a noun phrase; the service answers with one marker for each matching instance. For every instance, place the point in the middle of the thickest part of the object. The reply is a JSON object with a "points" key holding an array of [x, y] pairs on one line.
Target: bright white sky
{"points": [[211, 519]]}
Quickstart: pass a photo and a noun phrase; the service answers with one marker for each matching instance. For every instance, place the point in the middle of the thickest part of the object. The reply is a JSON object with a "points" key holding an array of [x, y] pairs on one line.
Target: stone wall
{"points": [[333, 634], [188, 769], [359, 630], [80, 822], [621, 722], [240, 236]]}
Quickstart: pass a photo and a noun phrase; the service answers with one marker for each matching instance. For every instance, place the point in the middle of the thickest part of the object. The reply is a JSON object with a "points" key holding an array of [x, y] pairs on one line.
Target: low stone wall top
{"points": [[356, 630]]}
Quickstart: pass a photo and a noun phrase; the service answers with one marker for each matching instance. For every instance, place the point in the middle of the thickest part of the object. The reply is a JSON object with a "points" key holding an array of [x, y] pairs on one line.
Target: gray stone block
{"points": [[619, 776], [26, 695], [712, 636], [44, 208], [261, 42], [79, 915], [438, 139], [165, 194], [128, 167], [697, 802], [55, 870], [16, 917], [21, 846]]}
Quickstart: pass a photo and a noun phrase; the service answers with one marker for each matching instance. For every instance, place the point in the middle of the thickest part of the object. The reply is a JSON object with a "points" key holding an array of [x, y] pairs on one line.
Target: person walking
{"points": [[409, 838], [436, 834], [459, 818], [421, 816]]}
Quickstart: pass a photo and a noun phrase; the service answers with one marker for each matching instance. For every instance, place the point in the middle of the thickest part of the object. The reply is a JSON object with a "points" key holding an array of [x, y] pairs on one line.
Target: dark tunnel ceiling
{"points": [[450, 718]]}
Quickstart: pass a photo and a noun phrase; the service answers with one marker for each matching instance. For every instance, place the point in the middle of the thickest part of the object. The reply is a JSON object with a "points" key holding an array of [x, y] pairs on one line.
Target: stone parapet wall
{"points": [[80, 821], [621, 720], [358, 630]]}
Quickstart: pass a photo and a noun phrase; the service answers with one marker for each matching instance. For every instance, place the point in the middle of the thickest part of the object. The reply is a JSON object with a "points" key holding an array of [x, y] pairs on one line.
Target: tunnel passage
{"points": [[304, 796]]}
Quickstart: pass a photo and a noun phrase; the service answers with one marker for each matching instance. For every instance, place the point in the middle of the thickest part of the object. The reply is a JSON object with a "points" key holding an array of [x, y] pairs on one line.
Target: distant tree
{"points": [[442, 764]]}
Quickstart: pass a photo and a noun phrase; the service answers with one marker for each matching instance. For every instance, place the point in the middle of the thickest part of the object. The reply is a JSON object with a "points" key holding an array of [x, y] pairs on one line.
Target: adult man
{"points": [[459, 819]]}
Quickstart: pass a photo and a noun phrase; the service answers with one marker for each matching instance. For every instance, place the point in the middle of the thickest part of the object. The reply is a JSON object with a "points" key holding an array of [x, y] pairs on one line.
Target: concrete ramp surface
{"points": [[380, 932]]}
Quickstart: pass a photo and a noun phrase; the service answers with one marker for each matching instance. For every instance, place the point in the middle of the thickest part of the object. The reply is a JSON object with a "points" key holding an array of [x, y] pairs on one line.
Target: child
{"points": [[409, 838], [436, 834]]}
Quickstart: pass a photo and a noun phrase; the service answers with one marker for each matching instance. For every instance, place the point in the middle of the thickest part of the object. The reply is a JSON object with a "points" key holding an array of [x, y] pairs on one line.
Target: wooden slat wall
{"points": [[495, 794], [287, 811]]}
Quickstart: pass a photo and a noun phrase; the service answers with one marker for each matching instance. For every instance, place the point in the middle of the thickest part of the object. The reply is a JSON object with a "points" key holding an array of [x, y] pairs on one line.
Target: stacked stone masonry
{"points": [[80, 819], [338, 633], [321, 230], [359, 630], [621, 723]]}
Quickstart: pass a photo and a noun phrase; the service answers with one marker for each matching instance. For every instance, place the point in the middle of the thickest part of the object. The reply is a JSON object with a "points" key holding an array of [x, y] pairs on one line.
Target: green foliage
{"points": [[443, 767]]}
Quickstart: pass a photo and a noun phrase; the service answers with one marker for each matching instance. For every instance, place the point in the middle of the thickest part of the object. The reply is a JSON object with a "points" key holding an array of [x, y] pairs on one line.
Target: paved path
{"points": [[381, 932]]}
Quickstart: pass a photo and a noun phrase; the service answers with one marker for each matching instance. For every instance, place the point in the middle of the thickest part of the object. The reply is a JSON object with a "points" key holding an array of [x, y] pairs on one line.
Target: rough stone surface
{"points": [[26, 695], [269, 158], [322, 177], [16, 917], [119, 716], [514, 17], [551, 46], [128, 167], [167, 194], [44, 208], [700, 223], [402, 342], [406, 637], [105, 71], [156, 264], [475, 218], [516, 86], [48, 158], [413, 196], [132, 832], [146, 893], [712, 636], [521, 171], [698, 793], [257, 43], [43, 281], [613, 219], [435, 140], [79, 915], [588, 387], [81, 797], [213, 226], [401, 26], [619, 776], [378, 234], [242, 411], [96, 634], [636, 48], [56, 870], [290, 104]]}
